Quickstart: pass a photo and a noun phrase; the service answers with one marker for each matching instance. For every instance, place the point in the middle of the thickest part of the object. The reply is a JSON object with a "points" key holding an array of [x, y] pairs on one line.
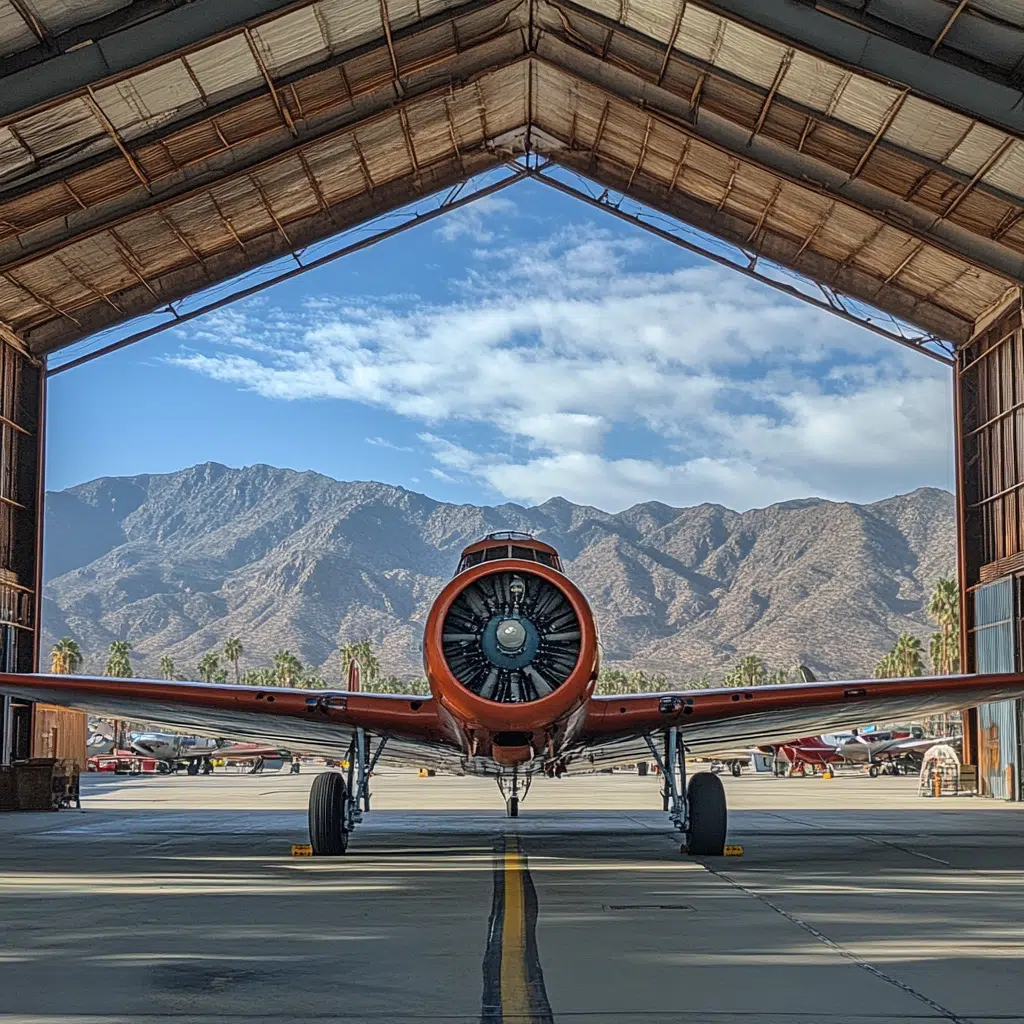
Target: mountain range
{"points": [[176, 563]]}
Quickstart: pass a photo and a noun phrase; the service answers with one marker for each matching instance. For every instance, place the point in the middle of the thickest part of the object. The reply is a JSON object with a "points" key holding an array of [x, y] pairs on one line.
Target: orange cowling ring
{"points": [[479, 713]]}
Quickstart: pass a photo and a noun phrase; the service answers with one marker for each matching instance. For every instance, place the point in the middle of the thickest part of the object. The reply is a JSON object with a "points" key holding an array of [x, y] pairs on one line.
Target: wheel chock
{"points": [[728, 851], [827, 775], [302, 850]]}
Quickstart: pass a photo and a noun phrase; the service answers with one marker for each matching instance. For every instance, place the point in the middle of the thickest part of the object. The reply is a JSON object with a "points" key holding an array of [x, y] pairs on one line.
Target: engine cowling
{"points": [[511, 646]]}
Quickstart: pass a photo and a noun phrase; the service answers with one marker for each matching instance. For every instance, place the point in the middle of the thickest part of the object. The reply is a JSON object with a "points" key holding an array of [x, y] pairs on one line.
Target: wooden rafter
{"points": [[132, 262], [92, 289], [226, 221], [957, 11], [780, 74], [852, 255], [728, 189], [173, 228], [815, 231], [407, 134], [315, 185], [902, 266], [264, 199], [363, 165], [40, 300], [680, 164], [987, 166], [282, 110], [108, 127], [600, 132], [830, 109], [195, 81], [764, 213], [385, 20], [890, 116], [672, 37], [451, 131], [32, 22], [642, 154]]}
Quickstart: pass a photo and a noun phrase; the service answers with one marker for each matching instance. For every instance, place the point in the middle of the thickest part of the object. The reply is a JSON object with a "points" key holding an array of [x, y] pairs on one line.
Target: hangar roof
{"points": [[155, 148]]}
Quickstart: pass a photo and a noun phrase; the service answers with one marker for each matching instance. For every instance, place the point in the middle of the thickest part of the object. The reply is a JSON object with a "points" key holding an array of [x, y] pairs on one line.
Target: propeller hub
{"points": [[511, 635]]}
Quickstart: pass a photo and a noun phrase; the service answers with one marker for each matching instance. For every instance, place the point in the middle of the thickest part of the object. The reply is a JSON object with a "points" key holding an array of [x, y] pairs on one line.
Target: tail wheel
{"points": [[736, 768], [512, 807], [873, 771], [708, 815], [328, 832]]}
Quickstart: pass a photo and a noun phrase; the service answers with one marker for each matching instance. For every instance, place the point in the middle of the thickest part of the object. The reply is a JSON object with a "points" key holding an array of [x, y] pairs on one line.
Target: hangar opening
{"points": [[154, 154]]}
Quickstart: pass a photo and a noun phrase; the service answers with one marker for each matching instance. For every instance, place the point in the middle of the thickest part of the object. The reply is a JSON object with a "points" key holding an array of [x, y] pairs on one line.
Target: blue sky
{"points": [[522, 347]]}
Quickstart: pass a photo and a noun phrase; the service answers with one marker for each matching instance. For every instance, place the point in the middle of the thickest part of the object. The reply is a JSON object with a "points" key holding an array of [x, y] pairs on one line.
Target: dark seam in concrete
{"points": [[539, 1005], [490, 1006], [848, 954], [491, 1009]]}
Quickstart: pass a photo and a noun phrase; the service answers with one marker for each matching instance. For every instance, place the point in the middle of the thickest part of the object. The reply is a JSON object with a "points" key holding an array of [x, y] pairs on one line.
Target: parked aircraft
{"points": [[511, 654], [197, 753], [882, 751]]}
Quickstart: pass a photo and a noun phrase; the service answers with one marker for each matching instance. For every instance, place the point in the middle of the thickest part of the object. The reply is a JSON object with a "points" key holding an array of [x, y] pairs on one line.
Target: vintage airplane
{"points": [[881, 751], [511, 653], [196, 753]]}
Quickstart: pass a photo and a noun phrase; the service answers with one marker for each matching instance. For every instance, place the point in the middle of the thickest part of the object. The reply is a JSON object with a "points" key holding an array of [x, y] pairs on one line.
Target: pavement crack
{"points": [[944, 1012]]}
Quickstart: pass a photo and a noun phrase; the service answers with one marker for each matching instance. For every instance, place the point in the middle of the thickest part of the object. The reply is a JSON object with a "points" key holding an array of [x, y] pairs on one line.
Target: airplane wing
{"points": [[319, 722], [713, 720]]}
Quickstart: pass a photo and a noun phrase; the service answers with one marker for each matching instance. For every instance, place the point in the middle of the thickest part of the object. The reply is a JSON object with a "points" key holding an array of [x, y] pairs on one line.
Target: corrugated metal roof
{"points": [[142, 187]]}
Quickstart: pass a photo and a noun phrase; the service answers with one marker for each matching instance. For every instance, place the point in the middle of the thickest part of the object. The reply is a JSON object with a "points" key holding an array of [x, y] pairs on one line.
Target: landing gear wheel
{"points": [[193, 768], [328, 799], [705, 836], [296, 768], [873, 771], [735, 768], [512, 807]]}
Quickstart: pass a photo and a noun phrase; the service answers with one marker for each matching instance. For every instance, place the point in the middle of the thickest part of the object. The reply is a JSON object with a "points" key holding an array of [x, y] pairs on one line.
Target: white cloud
{"points": [[472, 221], [383, 442], [729, 391]]}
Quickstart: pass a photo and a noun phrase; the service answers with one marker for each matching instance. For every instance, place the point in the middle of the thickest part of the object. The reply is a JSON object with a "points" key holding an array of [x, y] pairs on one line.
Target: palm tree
{"points": [[209, 664], [260, 677], [944, 611], [233, 651], [749, 672], [118, 664], [66, 657], [287, 668], [166, 667], [907, 655], [362, 652]]}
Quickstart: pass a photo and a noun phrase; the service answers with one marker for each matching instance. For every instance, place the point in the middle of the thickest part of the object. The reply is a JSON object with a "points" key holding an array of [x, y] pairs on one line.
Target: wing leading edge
{"points": [[319, 722], [711, 721]]}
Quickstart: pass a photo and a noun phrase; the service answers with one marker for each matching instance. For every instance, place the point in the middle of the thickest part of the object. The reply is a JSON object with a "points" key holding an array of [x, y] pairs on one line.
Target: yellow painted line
{"points": [[515, 991]]}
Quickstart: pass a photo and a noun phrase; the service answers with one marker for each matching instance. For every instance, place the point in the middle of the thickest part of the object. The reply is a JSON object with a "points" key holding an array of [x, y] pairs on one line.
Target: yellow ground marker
{"points": [[302, 850], [733, 851], [515, 991]]}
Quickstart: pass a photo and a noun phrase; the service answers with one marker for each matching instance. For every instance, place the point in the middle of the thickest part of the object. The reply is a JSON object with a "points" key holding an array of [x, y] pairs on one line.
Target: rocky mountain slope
{"points": [[176, 563]]}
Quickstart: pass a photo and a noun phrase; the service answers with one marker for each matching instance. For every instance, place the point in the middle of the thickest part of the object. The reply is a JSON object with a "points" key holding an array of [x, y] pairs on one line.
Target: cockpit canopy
{"points": [[509, 544]]}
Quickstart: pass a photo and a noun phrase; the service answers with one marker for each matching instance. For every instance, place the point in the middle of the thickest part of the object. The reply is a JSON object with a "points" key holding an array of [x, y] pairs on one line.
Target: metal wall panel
{"points": [[995, 651]]}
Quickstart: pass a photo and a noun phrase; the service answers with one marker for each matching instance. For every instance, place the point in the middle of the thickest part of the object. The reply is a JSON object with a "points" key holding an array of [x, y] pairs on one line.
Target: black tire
{"points": [[873, 771], [193, 768], [641, 768], [735, 768], [328, 834], [512, 807], [708, 815]]}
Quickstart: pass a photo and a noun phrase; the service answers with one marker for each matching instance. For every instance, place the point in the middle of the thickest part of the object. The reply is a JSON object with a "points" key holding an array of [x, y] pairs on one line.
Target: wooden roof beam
{"points": [[108, 127], [385, 21], [672, 37], [282, 110], [780, 74], [957, 11], [887, 121]]}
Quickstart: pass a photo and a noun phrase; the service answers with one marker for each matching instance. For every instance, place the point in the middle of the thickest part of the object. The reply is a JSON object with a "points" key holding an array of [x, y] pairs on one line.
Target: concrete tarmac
{"points": [[176, 899]]}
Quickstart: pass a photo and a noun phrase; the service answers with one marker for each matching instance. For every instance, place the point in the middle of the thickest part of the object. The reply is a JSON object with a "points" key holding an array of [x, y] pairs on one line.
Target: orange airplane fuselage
{"points": [[511, 652]]}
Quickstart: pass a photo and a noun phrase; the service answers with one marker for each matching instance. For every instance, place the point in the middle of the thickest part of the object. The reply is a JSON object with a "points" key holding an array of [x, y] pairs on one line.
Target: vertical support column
{"points": [[988, 392]]}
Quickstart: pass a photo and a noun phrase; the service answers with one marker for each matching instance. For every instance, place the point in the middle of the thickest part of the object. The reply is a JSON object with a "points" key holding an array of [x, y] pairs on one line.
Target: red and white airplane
{"points": [[511, 654]]}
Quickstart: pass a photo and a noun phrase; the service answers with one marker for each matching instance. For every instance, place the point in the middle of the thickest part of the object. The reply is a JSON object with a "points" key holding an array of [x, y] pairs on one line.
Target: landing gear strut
{"points": [[337, 801], [697, 809], [512, 796]]}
